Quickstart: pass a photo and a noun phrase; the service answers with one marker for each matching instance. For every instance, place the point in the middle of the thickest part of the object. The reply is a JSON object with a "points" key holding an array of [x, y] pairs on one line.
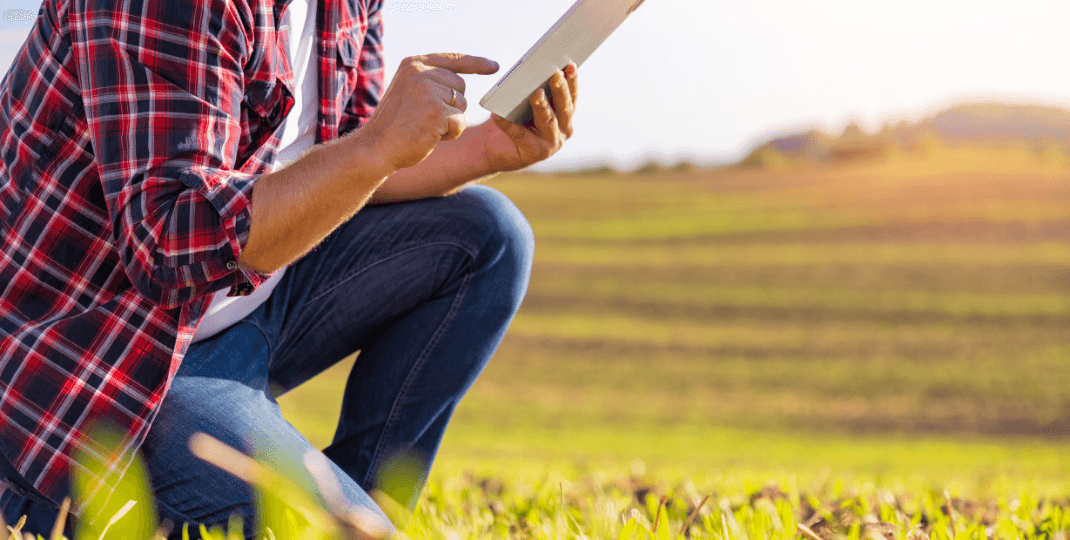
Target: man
{"points": [[192, 209]]}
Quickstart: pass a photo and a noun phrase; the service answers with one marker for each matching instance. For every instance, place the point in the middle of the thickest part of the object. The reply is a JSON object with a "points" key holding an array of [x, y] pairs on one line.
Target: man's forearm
{"points": [[449, 167], [295, 208]]}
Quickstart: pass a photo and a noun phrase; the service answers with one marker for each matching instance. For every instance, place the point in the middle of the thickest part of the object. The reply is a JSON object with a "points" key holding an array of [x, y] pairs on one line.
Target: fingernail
{"points": [[570, 69]]}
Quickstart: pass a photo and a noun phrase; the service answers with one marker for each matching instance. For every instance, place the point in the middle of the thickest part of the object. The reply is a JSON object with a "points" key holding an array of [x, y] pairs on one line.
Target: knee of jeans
{"points": [[509, 243]]}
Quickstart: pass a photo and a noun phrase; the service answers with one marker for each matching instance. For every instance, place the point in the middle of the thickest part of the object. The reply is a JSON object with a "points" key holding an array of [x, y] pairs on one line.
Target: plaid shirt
{"points": [[131, 136]]}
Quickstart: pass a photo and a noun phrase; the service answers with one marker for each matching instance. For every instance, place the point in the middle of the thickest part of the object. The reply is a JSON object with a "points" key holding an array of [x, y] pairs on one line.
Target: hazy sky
{"points": [[708, 79]]}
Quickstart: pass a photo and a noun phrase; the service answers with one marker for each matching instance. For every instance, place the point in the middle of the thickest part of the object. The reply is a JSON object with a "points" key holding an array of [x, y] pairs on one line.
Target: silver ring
{"points": [[454, 100]]}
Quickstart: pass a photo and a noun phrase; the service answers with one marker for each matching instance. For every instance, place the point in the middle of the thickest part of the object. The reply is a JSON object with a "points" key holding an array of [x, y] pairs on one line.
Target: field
{"points": [[900, 324], [869, 349]]}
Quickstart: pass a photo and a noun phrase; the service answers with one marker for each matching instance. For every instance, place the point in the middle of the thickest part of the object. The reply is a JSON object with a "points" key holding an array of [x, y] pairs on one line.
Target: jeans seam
{"points": [[187, 519], [267, 339], [327, 290], [181, 515], [394, 413]]}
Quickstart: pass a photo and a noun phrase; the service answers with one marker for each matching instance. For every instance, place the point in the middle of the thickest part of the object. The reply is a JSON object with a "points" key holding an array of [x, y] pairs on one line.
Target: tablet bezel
{"points": [[591, 22]]}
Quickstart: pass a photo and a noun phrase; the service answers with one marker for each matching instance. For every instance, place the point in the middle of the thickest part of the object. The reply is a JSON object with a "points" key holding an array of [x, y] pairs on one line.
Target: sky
{"points": [[707, 80]]}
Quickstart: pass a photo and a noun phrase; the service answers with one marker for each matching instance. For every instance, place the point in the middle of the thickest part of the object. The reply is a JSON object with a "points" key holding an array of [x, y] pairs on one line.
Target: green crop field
{"points": [[909, 298], [898, 323]]}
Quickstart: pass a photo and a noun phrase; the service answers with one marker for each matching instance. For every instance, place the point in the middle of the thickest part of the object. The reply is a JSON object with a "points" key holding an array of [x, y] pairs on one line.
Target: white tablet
{"points": [[573, 38]]}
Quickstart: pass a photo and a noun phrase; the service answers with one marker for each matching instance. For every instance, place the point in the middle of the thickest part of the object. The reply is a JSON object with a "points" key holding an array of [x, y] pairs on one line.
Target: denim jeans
{"points": [[424, 289]]}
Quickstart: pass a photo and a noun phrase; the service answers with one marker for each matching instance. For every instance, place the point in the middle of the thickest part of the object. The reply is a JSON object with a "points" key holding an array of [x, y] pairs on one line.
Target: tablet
{"points": [[573, 38]]}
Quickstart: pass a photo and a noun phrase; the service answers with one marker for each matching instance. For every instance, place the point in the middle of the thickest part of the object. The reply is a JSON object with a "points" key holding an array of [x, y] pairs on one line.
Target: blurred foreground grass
{"points": [[579, 502]]}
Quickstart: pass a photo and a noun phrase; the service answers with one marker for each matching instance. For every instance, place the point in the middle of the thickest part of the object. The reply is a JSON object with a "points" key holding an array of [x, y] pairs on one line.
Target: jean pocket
{"points": [[17, 485]]}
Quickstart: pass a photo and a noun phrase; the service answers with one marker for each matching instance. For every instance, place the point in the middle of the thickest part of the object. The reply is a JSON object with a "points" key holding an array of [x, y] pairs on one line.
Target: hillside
{"points": [[1042, 128], [993, 122]]}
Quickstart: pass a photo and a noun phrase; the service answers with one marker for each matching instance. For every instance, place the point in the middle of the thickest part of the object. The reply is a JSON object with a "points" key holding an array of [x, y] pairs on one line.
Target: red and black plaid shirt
{"points": [[131, 135]]}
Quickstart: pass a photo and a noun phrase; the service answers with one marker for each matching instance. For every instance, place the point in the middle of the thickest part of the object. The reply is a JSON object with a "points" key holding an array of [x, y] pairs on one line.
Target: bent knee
{"points": [[508, 238]]}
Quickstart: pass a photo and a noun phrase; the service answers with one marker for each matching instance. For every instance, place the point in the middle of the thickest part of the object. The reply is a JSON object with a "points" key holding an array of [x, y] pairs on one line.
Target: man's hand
{"points": [[514, 147], [296, 207], [423, 105]]}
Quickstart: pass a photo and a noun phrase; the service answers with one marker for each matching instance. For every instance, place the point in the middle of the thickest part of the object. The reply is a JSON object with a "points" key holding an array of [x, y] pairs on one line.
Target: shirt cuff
{"points": [[230, 195]]}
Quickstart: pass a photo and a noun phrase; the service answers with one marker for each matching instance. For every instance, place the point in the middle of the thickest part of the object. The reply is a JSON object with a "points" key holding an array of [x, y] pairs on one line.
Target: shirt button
{"points": [[232, 265]]}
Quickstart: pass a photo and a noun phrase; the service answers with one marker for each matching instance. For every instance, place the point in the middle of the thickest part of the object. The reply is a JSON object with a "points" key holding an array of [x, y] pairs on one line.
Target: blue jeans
{"points": [[425, 290]]}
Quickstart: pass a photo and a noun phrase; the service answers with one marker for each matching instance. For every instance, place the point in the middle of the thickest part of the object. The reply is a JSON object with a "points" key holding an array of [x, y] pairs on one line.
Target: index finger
{"points": [[460, 63]]}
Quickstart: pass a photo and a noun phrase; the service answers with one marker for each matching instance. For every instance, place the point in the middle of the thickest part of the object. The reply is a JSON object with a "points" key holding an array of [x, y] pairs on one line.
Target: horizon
{"points": [[724, 78]]}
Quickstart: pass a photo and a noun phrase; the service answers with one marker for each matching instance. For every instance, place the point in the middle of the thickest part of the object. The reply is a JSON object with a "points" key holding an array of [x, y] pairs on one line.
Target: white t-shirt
{"points": [[298, 135]]}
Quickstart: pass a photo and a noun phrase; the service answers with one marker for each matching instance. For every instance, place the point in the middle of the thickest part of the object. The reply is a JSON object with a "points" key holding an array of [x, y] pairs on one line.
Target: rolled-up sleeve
{"points": [[163, 86]]}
